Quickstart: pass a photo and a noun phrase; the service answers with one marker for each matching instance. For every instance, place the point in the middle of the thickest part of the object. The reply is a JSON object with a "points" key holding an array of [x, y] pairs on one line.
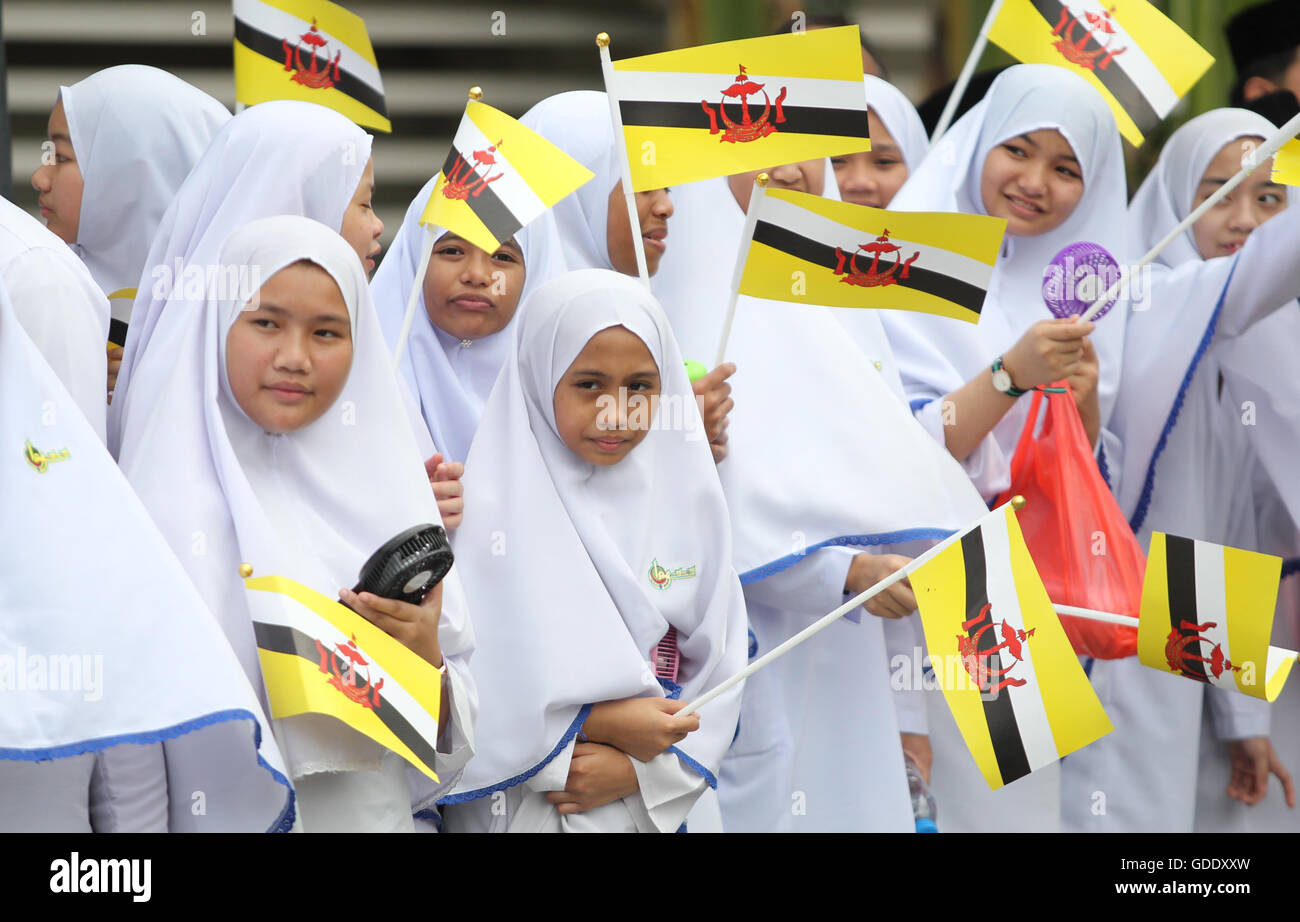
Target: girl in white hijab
{"points": [[277, 436], [279, 157], [1194, 468], [107, 652], [1042, 150], [816, 411], [601, 531], [898, 144]]}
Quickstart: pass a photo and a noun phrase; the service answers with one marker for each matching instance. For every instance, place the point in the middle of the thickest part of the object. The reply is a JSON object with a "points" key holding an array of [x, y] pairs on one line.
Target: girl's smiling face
{"points": [[289, 351], [470, 293], [598, 424], [872, 177], [653, 209], [1223, 229], [361, 225], [1033, 180], [58, 180]]}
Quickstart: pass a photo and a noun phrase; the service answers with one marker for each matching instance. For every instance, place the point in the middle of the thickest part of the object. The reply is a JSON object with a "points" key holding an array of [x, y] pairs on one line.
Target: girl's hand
{"points": [[114, 366], [1048, 351], [714, 395], [444, 479], [1083, 383], [414, 626], [640, 727], [598, 775], [898, 601]]}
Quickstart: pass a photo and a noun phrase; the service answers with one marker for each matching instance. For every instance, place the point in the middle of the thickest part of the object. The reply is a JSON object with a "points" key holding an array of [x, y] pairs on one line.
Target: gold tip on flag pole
{"points": [[602, 39], [1018, 502], [761, 179], [476, 93], [245, 570]]}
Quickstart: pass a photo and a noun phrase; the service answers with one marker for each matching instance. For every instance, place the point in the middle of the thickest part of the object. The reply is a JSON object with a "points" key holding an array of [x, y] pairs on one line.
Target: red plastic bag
{"points": [[1084, 549]]}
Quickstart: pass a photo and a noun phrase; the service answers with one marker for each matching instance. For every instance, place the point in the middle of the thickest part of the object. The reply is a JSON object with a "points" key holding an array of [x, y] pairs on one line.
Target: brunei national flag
{"points": [[1286, 163], [813, 250], [310, 50], [1007, 671], [319, 657], [1136, 57], [498, 177], [714, 110], [1207, 613]]}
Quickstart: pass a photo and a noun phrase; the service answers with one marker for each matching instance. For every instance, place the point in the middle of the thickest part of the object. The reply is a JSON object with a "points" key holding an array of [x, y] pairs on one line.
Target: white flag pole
{"points": [[616, 119], [1093, 615], [828, 619], [1257, 156], [426, 251], [746, 238], [967, 71]]}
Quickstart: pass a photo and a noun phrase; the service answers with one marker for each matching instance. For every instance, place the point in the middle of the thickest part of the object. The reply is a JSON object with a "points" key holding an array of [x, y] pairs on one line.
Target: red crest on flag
{"points": [[747, 129], [465, 180], [988, 679], [351, 676], [308, 75], [1179, 657], [874, 275], [1099, 27]]}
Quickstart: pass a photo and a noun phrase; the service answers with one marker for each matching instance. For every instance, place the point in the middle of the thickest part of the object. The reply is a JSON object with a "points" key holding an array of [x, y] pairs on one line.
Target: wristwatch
{"points": [[1002, 380]]}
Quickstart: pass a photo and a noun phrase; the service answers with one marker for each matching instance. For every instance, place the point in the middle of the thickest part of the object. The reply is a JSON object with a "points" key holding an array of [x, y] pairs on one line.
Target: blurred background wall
{"points": [[520, 51]]}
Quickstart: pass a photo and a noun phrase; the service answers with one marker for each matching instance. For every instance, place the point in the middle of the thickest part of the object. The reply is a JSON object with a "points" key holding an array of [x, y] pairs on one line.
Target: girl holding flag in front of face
{"points": [[1196, 469], [599, 553]]}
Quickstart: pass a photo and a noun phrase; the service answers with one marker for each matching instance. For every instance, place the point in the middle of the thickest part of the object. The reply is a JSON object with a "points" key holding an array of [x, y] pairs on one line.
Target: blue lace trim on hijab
{"points": [[563, 744], [891, 537], [1148, 485], [283, 823]]}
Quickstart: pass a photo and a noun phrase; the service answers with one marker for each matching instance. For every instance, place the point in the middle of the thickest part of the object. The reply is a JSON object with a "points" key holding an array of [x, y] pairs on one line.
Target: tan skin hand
{"points": [[598, 775], [114, 366], [1083, 384], [641, 727], [714, 394], [444, 480], [898, 601], [1253, 759], [917, 745]]}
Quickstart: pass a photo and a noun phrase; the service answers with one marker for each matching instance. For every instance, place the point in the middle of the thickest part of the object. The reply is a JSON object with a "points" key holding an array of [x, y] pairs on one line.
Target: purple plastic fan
{"points": [[1076, 277]]}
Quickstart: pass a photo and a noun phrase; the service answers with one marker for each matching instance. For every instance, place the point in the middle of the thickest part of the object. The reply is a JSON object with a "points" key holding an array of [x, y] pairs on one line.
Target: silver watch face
{"points": [[1002, 380]]}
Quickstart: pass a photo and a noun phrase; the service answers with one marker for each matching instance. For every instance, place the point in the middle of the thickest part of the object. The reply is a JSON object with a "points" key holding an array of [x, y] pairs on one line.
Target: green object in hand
{"points": [[696, 370]]}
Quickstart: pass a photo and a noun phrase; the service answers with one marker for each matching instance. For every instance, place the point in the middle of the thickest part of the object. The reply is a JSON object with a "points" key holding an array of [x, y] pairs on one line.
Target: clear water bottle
{"points": [[923, 808]]}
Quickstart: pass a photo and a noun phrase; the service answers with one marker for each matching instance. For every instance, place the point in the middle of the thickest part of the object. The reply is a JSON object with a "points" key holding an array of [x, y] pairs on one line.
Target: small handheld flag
{"points": [[1136, 57], [319, 657], [1207, 614], [498, 177], [854, 256], [1006, 669], [733, 107], [309, 50]]}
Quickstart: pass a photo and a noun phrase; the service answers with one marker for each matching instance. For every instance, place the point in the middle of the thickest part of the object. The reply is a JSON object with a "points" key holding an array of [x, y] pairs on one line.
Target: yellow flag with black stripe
{"points": [[1207, 614], [320, 657], [1135, 56], [1286, 163], [498, 177], [732, 107], [1004, 664], [810, 249], [309, 50]]}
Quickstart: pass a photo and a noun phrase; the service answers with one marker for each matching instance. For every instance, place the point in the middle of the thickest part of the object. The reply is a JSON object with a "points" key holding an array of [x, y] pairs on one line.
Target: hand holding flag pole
{"points": [[616, 119], [967, 71], [1258, 156], [746, 238]]}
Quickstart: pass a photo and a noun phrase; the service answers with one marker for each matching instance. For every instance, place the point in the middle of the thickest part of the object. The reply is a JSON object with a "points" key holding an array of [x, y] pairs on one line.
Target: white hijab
{"points": [[813, 412], [137, 132], [935, 354], [86, 580], [280, 157], [900, 119], [568, 613], [450, 380], [1255, 366], [311, 505]]}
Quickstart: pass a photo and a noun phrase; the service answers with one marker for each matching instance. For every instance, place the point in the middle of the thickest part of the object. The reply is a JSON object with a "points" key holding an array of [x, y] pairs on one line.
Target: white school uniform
{"points": [[311, 505], [569, 614]]}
